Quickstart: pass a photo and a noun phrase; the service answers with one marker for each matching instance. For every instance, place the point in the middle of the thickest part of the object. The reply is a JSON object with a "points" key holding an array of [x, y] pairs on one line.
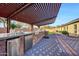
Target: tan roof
{"points": [[71, 22]]}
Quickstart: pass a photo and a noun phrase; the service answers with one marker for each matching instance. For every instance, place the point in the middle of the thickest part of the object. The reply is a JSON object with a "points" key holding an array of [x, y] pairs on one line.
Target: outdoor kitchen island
{"points": [[15, 44]]}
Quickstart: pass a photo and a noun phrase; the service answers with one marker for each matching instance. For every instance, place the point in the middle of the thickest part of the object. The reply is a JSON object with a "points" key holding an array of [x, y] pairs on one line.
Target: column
{"points": [[31, 28], [8, 25]]}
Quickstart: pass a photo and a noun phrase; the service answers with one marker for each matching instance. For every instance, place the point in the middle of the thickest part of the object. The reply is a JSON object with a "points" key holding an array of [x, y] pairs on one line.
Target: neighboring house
{"points": [[72, 27]]}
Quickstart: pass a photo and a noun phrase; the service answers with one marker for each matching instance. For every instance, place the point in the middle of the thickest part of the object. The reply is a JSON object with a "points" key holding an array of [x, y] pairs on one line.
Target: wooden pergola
{"points": [[33, 13]]}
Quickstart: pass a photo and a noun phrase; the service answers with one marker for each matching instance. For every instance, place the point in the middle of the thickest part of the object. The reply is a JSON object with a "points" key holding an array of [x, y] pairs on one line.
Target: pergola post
{"points": [[31, 28], [32, 35], [8, 25]]}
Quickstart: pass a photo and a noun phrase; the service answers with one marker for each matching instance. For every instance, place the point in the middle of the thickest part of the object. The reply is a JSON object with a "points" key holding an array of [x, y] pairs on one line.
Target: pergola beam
{"points": [[19, 10], [44, 20]]}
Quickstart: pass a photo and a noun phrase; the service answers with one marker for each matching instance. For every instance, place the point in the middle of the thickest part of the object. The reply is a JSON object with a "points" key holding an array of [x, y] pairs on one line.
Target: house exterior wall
{"points": [[78, 28], [70, 28]]}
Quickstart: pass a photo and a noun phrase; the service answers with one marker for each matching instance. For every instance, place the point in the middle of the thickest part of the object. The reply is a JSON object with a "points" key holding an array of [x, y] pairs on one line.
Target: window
{"points": [[75, 28]]}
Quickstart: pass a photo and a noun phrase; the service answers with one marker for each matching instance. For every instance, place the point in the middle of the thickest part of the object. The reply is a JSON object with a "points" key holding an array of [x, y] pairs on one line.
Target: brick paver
{"points": [[72, 42], [47, 47]]}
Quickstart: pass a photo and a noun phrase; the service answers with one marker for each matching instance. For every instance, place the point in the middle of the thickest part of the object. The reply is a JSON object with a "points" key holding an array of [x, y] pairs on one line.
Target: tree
{"points": [[13, 25]]}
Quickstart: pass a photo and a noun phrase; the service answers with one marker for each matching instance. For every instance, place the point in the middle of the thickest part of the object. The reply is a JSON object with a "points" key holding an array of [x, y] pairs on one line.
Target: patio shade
{"points": [[33, 13]]}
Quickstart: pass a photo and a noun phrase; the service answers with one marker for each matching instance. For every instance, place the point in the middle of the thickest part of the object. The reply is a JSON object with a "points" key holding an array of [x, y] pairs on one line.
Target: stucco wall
{"points": [[69, 28]]}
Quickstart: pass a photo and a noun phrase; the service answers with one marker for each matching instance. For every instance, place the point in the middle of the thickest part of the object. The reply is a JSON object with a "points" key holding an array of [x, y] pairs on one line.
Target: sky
{"points": [[67, 12], [1, 25]]}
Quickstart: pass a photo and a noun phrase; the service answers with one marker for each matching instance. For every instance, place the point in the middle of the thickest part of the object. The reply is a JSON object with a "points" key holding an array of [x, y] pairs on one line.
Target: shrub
{"points": [[13, 26], [64, 32]]}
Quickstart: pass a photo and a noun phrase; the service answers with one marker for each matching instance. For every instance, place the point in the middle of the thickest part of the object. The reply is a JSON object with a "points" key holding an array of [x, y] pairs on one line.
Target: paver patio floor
{"points": [[48, 47]]}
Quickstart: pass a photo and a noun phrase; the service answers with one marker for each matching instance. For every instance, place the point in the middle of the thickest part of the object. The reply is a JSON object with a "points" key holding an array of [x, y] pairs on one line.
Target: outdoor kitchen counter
{"points": [[15, 44], [6, 36]]}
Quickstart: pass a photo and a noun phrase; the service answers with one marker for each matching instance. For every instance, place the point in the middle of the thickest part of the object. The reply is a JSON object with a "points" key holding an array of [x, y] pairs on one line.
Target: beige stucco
{"points": [[69, 28]]}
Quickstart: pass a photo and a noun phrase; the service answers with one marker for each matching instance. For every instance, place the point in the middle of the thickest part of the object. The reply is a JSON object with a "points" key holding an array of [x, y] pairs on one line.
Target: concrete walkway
{"points": [[52, 46]]}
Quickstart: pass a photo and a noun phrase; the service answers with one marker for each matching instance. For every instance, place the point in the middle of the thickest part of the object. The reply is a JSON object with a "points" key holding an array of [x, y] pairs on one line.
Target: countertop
{"points": [[5, 36]]}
